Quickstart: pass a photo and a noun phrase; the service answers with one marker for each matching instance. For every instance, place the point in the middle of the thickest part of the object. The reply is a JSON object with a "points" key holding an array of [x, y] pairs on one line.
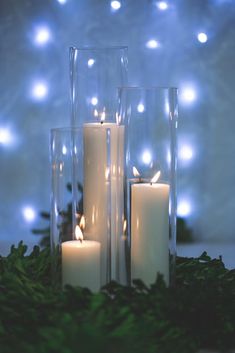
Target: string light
{"points": [[188, 95], [39, 90], [6, 137], [29, 214], [184, 208], [202, 37], [42, 35], [140, 108], [146, 157], [94, 100], [186, 153], [115, 5], [162, 5], [152, 44]]}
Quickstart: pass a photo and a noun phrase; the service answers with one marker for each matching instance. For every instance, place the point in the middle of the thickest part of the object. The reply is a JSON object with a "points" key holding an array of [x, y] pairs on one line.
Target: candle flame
{"points": [[107, 172], [82, 223], [156, 177], [96, 113], [102, 117], [124, 226], [78, 234], [135, 172]]}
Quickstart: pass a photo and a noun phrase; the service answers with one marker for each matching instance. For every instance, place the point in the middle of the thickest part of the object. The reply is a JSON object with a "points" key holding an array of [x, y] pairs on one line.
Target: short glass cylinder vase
{"points": [[149, 219], [80, 206], [95, 75]]}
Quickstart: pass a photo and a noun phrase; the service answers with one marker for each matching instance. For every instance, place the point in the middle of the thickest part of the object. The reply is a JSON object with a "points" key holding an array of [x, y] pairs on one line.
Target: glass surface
{"points": [[150, 119], [81, 197], [95, 74]]}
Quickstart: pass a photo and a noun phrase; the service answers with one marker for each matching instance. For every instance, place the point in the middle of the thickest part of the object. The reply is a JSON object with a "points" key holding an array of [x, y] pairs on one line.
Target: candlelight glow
{"points": [[96, 114], [156, 177], [82, 223], [135, 172], [78, 233]]}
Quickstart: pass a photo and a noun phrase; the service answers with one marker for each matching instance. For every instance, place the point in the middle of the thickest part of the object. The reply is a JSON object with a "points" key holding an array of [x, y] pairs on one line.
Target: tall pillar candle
{"points": [[96, 188], [149, 231]]}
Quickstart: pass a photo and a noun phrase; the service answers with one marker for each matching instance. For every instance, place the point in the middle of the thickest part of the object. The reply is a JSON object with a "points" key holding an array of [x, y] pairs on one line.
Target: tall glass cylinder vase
{"points": [[80, 243], [149, 218], [95, 74]]}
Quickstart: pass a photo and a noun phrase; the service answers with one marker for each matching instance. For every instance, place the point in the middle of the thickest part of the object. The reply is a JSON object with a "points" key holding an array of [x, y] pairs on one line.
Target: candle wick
{"points": [[80, 239], [151, 183], [101, 122]]}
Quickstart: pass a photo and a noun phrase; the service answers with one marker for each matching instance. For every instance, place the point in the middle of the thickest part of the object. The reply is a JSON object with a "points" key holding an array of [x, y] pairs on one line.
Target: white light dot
{"points": [[29, 214], [90, 62], [39, 90], [42, 36], [184, 208], [152, 44], [162, 5], [140, 108], [5, 136], [186, 153], [146, 157], [188, 95], [115, 5], [202, 37], [64, 150], [94, 100], [62, 2]]}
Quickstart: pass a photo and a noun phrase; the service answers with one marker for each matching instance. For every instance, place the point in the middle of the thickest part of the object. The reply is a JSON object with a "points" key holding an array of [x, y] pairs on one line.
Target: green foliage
{"points": [[35, 317]]}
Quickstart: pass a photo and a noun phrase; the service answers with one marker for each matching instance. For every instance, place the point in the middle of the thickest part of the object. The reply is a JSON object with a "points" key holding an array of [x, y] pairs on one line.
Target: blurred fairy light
{"points": [[90, 62], [115, 5], [188, 95], [42, 35], [6, 136], [152, 44], [94, 100], [184, 208], [146, 157], [62, 2], [64, 150], [162, 5], [29, 214], [186, 153], [39, 90], [202, 37], [140, 108]]}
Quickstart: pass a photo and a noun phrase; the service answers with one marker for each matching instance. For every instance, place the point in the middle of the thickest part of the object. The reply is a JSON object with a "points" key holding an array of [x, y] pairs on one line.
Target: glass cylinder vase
{"points": [[149, 217], [80, 206], [95, 75]]}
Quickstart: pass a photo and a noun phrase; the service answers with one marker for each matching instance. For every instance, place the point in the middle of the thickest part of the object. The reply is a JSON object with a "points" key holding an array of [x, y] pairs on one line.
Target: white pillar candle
{"points": [[149, 231], [81, 264], [96, 188]]}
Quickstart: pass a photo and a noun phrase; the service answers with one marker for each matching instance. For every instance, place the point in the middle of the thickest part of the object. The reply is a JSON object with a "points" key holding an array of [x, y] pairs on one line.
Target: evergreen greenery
{"points": [[199, 312]]}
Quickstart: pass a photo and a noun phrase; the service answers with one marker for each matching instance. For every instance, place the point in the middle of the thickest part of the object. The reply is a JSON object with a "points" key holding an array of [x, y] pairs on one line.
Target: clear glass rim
{"points": [[147, 88], [66, 129], [113, 47]]}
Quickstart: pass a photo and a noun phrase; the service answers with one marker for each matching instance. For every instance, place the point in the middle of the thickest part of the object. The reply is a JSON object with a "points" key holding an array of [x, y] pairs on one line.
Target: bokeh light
{"points": [[186, 153], [6, 136], [94, 101], [42, 35], [162, 5], [187, 95], [202, 37], [140, 108], [146, 157], [115, 5], [29, 214], [184, 208], [152, 44], [90, 62], [39, 90]]}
